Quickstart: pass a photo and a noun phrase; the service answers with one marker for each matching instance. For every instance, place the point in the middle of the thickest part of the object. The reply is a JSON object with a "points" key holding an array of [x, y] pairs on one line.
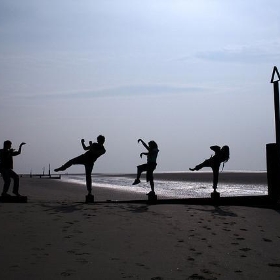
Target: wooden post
{"points": [[275, 82], [152, 198], [13, 199], [273, 149], [89, 198]]}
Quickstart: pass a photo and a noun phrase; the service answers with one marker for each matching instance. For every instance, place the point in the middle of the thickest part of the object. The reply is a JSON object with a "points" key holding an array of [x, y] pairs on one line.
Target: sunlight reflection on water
{"points": [[172, 189]]}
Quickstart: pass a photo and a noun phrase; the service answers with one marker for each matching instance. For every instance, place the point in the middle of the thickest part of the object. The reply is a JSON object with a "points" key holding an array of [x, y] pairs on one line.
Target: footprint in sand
{"points": [[208, 272], [267, 240], [206, 227], [82, 244], [240, 238], [197, 277], [68, 272], [261, 229], [71, 252], [274, 265], [245, 249], [82, 261], [78, 231]]}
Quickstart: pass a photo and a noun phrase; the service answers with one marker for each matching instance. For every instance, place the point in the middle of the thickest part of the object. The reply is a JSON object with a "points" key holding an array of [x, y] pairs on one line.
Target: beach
{"points": [[55, 235]]}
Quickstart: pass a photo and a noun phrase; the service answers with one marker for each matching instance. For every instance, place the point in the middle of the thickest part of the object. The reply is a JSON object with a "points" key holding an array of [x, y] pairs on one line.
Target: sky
{"points": [[186, 74]]}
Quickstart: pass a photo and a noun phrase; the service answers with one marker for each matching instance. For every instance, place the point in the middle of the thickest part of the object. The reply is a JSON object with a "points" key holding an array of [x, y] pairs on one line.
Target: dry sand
{"points": [[57, 236]]}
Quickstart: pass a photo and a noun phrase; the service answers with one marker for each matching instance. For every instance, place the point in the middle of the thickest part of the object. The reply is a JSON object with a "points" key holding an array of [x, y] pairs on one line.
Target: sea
{"points": [[185, 186]]}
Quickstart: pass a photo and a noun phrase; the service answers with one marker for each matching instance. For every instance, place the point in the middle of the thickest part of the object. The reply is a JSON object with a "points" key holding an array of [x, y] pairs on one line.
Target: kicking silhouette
{"points": [[221, 156], [150, 166], [94, 151], [6, 167]]}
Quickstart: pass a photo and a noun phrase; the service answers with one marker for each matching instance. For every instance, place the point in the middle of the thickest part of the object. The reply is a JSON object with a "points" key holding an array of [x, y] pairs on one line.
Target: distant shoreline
{"points": [[239, 177]]}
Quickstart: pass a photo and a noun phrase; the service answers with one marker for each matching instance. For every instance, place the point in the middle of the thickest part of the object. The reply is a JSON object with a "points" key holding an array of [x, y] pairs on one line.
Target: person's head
{"points": [[153, 145], [101, 139], [7, 145], [225, 153]]}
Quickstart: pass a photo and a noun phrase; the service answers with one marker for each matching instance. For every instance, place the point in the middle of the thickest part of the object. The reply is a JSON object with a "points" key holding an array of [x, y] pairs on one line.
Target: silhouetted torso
{"points": [[96, 150], [6, 158]]}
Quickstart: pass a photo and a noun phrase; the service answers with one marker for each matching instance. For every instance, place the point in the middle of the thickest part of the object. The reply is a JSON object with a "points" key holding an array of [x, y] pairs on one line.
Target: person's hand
{"points": [[139, 140], [90, 143], [141, 155], [23, 143], [83, 140]]}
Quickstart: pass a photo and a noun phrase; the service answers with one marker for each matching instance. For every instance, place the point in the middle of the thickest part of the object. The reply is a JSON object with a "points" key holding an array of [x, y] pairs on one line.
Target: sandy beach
{"points": [[57, 236]]}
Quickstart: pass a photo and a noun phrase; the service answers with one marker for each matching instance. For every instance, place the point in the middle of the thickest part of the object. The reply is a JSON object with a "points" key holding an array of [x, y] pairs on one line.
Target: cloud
{"points": [[266, 53], [124, 90]]}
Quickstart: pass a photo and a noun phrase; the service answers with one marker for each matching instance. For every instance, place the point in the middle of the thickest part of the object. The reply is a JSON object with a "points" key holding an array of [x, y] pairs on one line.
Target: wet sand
{"points": [[57, 236]]}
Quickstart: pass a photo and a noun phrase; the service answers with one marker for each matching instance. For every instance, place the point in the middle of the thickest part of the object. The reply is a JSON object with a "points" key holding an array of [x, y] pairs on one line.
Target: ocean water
{"points": [[171, 189]]}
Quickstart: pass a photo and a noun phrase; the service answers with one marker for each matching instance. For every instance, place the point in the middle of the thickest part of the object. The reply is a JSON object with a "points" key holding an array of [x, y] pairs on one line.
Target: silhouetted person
{"points": [[94, 151], [221, 156], [151, 164], [6, 167]]}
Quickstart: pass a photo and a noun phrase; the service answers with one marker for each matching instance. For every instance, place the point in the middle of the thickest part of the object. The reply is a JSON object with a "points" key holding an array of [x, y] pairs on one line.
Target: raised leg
{"points": [[140, 169]]}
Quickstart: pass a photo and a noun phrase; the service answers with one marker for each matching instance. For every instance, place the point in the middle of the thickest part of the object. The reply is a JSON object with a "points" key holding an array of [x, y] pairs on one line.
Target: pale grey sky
{"points": [[187, 74]]}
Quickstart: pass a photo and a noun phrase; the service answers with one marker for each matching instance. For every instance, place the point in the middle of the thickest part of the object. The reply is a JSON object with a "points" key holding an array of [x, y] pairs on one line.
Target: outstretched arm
{"points": [[15, 153], [144, 144], [84, 146]]}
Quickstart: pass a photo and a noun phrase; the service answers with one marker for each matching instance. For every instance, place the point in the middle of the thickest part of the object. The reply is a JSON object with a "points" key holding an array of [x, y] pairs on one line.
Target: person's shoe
{"points": [[137, 181], [192, 169], [59, 169], [6, 194], [16, 194]]}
